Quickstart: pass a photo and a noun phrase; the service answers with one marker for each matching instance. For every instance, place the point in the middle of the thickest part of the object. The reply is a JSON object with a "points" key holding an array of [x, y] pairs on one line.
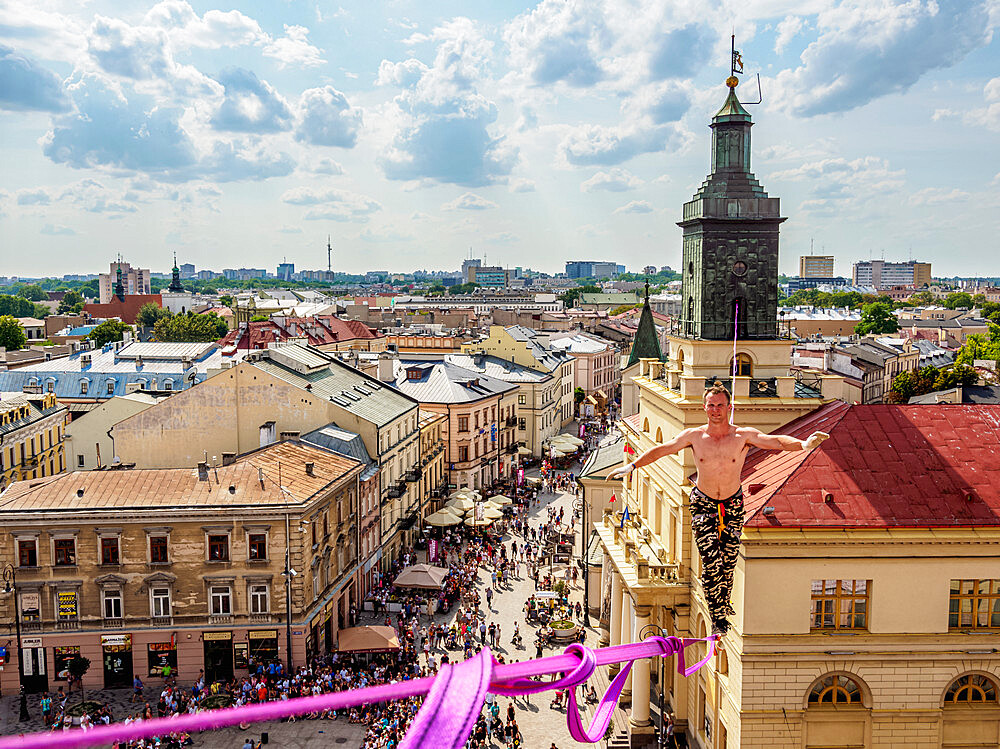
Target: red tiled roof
{"points": [[126, 310], [317, 330], [918, 466]]}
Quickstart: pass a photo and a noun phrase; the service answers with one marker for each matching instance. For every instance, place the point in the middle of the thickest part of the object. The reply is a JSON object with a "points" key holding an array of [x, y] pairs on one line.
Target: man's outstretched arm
{"points": [[670, 447], [782, 441]]}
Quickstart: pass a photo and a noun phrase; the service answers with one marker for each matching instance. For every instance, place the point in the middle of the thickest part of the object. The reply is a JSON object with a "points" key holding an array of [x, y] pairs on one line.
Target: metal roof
{"points": [[343, 442], [348, 388], [444, 382], [578, 344], [494, 366], [603, 459]]}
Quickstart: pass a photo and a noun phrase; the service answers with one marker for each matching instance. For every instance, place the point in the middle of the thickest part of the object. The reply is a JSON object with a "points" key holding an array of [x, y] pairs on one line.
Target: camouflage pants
{"points": [[717, 525]]}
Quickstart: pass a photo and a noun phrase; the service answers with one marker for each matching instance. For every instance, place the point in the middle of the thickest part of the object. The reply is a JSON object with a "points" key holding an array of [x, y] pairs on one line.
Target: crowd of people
{"points": [[512, 549]]}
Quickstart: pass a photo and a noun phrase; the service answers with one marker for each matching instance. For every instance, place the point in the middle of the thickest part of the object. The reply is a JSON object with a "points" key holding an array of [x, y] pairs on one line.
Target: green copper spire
{"points": [[647, 343]]}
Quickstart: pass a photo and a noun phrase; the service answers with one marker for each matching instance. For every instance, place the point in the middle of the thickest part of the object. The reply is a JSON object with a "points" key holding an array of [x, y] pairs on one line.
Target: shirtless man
{"points": [[720, 449]]}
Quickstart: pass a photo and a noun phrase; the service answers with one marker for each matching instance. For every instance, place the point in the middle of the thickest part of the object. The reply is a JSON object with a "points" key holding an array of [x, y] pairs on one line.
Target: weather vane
{"points": [[736, 69]]}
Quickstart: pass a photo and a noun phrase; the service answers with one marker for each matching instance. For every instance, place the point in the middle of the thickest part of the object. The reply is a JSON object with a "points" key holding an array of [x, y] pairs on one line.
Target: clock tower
{"points": [[730, 244]]}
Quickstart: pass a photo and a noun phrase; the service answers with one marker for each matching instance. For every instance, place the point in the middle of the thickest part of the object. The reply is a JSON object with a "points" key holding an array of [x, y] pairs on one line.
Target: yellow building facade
{"points": [[32, 432]]}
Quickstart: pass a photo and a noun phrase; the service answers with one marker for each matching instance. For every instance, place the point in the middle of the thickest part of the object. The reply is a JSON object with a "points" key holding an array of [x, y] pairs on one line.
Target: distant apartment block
{"points": [[244, 274], [816, 266], [469, 269], [187, 270], [286, 271], [491, 276], [135, 280], [883, 275], [590, 269]]}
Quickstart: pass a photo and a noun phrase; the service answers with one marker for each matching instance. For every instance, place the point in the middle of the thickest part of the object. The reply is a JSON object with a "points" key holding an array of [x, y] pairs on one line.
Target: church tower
{"points": [[730, 245], [175, 281]]}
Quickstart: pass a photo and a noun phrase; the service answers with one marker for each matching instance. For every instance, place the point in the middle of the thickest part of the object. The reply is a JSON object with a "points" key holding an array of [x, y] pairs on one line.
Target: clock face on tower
{"points": [[739, 268]]}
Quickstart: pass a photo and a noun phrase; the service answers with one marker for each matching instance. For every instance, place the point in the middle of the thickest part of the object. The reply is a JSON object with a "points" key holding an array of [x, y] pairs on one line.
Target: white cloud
{"points": [[57, 230], [93, 197], [327, 166], [839, 185], [936, 195], [787, 30], [598, 145], [250, 104], [33, 197], [290, 230], [214, 30], [503, 237], [469, 202], [558, 41], [866, 50], [635, 206], [405, 74], [336, 205], [26, 85], [379, 236], [440, 122], [294, 49], [521, 184], [327, 118], [613, 180], [989, 115]]}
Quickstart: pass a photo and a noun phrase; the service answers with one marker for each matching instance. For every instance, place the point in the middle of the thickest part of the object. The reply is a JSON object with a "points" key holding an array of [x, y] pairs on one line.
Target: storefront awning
{"points": [[371, 639]]}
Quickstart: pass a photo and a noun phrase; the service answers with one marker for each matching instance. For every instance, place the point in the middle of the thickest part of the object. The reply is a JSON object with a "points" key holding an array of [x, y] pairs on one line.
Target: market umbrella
{"points": [[501, 499], [459, 503], [370, 639], [473, 523], [442, 517], [491, 513], [421, 576], [523, 450], [566, 447], [570, 438], [554, 453]]}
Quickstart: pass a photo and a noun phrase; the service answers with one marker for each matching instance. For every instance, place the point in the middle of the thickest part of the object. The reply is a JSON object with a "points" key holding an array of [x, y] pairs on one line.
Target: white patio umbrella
{"points": [[570, 438], [473, 523], [501, 499], [459, 503], [442, 518], [566, 447]]}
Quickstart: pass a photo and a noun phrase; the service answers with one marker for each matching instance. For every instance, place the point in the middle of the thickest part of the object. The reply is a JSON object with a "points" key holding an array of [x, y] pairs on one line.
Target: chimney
{"points": [[203, 470], [385, 367], [228, 459], [309, 468]]}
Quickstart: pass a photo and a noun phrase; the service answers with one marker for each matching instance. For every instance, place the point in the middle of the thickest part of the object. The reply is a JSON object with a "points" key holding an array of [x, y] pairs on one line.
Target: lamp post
{"points": [[585, 555], [10, 585], [647, 631], [289, 573]]}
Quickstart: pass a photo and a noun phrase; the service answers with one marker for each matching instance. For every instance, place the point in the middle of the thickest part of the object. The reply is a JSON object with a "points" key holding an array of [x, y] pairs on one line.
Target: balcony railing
{"points": [[220, 619], [510, 421], [395, 492], [113, 623], [413, 475], [68, 624], [261, 618]]}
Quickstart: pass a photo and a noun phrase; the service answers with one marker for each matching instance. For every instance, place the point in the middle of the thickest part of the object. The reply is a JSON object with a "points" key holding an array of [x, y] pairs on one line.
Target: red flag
{"points": [[629, 449], [612, 497]]}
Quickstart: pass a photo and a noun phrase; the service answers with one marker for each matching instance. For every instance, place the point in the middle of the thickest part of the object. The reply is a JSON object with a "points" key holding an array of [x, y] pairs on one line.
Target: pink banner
{"points": [[432, 549]]}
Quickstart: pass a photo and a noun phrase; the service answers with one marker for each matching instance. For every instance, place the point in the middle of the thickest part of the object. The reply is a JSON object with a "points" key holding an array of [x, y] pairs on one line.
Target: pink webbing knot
{"points": [[449, 712], [582, 672], [675, 645]]}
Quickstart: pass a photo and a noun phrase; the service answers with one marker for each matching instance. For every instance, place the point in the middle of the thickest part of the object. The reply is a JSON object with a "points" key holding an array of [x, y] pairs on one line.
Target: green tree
{"points": [[71, 304], [259, 318], [78, 667], [226, 300], [190, 328], [12, 335], [877, 318], [979, 300], [108, 331], [959, 374], [578, 395], [149, 314], [91, 289], [922, 298], [436, 288], [570, 296], [979, 346], [463, 288], [991, 312], [16, 306], [958, 299], [32, 292], [623, 308]]}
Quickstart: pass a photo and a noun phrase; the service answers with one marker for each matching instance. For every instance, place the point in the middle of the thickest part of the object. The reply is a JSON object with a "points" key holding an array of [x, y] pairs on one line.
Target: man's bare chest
{"points": [[710, 450]]}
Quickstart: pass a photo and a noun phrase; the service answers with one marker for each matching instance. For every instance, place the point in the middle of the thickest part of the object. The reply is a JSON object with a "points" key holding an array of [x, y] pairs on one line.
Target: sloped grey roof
{"points": [[538, 347], [343, 442], [349, 388], [444, 382], [494, 366], [601, 460]]}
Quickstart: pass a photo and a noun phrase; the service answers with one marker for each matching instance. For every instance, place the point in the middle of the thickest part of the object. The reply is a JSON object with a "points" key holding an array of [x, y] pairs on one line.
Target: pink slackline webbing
{"points": [[732, 381], [445, 721]]}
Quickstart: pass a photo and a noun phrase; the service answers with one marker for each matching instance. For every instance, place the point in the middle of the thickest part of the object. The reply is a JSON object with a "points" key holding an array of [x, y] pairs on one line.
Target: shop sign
{"points": [[62, 655], [30, 606], [263, 634], [298, 632], [67, 604], [211, 636], [119, 640], [241, 657], [31, 642]]}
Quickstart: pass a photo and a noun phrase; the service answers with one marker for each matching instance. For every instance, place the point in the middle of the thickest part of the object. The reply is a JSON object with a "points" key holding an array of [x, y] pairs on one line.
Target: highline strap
{"points": [[499, 678]]}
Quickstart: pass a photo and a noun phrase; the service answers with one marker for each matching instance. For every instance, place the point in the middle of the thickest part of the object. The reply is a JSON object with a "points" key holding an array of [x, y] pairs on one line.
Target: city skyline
{"points": [[534, 134]]}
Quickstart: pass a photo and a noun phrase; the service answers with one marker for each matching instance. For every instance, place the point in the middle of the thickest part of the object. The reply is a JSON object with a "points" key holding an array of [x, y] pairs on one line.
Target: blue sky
{"points": [[241, 134]]}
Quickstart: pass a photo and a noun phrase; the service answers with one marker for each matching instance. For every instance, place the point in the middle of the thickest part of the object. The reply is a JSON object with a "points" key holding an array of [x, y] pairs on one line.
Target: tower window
{"points": [[739, 268], [743, 365]]}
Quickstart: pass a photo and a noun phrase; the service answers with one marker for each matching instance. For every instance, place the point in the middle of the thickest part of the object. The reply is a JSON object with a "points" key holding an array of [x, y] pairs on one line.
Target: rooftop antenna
{"points": [[329, 250], [736, 68]]}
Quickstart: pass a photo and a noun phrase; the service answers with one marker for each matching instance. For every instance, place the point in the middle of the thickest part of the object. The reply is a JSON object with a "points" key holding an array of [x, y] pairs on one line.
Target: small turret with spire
{"points": [[119, 286], [175, 281]]}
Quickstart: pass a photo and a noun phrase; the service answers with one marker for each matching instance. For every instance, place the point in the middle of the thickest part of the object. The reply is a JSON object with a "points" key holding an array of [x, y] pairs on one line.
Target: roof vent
{"points": [[309, 468], [203, 470], [232, 489], [79, 492], [969, 496], [768, 510], [827, 495]]}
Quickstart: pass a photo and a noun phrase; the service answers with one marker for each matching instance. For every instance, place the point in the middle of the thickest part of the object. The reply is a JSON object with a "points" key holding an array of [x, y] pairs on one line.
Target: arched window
{"points": [[659, 435], [836, 689], [723, 665], [971, 689], [744, 365], [645, 425]]}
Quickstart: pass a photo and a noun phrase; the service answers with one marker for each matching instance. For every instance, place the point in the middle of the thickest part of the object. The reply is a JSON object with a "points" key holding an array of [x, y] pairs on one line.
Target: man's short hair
{"points": [[717, 389]]}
